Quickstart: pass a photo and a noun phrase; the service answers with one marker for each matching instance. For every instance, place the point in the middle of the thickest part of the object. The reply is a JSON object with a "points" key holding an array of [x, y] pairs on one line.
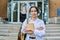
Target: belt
{"points": [[32, 37]]}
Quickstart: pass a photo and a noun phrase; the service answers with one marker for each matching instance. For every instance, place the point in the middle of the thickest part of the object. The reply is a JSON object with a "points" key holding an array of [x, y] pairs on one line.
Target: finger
{"points": [[41, 28]]}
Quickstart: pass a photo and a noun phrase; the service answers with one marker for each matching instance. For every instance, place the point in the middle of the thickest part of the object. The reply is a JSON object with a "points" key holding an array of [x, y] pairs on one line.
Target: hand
{"points": [[29, 31], [40, 28]]}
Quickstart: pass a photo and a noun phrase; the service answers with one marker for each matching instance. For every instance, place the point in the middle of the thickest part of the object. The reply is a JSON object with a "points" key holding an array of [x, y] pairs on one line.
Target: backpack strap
{"points": [[28, 20]]}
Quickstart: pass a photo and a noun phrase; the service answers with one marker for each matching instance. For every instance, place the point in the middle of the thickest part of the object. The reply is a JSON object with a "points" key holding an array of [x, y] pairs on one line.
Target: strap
{"points": [[28, 20]]}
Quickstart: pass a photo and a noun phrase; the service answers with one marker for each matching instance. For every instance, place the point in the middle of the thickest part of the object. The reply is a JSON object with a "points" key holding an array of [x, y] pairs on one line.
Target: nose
{"points": [[33, 12]]}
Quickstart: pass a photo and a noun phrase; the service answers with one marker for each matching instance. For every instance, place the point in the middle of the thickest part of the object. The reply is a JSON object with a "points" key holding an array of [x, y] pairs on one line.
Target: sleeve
{"points": [[40, 33], [23, 26]]}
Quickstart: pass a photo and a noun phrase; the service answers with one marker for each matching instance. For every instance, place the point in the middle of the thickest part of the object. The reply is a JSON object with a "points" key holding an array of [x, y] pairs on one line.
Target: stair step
{"points": [[8, 38], [8, 34], [4, 34], [13, 34], [52, 38], [4, 30], [52, 27], [52, 24], [9, 27], [9, 30], [51, 31], [52, 35]]}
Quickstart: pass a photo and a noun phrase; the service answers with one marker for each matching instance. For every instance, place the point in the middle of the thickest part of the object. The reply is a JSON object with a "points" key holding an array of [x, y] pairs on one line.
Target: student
{"points": [[39, 26], [23, 12]]}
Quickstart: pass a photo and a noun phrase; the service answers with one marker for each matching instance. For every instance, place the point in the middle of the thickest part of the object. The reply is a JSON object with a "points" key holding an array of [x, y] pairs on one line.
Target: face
{"points": [[33, 12], [23, 10]]}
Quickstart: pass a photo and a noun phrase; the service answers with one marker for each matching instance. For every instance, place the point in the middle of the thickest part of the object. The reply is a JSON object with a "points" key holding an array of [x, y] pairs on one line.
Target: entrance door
{"points": [[16, 7]]}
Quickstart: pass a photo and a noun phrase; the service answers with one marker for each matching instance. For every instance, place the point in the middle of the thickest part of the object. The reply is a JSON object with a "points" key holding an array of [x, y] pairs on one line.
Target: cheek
{"points": [[36, 13]]}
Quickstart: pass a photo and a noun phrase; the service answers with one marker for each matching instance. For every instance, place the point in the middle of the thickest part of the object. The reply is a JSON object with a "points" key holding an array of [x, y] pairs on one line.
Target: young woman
{"points": [[39, 26], [23, 13]]}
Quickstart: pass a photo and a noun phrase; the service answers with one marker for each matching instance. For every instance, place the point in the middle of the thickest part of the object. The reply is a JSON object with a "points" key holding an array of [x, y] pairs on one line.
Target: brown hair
{"points": [[35, 8]]}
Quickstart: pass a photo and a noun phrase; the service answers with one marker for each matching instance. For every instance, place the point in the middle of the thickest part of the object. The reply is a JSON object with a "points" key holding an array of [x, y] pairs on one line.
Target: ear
{"points": [[38, 14]]}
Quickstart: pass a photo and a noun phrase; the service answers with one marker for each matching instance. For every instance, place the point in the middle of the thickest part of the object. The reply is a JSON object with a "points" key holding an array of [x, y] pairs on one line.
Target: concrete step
{"points": [[4, 34], [9, 31], [51, 31], [4, 30], [52, 38], [8, 34], [10, 27], [52, 34], [7, 38], [52, 25], [52, 28], [14, 30]]}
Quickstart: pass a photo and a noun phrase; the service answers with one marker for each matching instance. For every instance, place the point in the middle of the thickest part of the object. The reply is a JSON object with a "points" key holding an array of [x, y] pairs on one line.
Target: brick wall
{"points": [[3, 8], [53, 5]]}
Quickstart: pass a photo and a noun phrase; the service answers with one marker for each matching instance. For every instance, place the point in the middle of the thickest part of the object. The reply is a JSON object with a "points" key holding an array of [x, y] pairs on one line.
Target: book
{"points": [[30, 26]]}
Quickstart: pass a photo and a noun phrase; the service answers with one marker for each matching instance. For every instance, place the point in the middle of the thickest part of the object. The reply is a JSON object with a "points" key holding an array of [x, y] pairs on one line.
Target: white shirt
{"points": [[39, 34]]}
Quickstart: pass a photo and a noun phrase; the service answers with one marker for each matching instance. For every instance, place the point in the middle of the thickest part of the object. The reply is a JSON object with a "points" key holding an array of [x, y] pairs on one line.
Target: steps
{"points": [[9, 31], [54, 20], [52, 32]]}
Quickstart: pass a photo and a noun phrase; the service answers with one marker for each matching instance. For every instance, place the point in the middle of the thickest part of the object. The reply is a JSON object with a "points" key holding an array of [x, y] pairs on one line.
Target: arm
{"points": [[23, 30], [23, 26], [40, 31]]}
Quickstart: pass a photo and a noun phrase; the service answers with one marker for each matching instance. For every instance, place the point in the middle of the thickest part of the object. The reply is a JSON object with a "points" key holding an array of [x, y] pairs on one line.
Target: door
{"points": [[16, 7]]}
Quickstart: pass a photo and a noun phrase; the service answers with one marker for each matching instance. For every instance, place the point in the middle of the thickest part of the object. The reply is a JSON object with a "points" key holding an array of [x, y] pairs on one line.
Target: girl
{"points": [[39, 26]]}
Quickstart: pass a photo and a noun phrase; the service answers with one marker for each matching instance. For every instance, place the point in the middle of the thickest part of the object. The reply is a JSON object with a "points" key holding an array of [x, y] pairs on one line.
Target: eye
{"points": [[34, 11]]}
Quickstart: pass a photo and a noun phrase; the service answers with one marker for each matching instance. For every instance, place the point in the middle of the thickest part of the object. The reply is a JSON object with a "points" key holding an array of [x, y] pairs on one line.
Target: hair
{"points": [[23, 5], [35, 8]]}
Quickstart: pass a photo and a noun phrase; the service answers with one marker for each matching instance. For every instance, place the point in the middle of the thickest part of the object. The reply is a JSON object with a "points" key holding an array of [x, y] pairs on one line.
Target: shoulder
{"points": [[40, 20], [25, 21]]}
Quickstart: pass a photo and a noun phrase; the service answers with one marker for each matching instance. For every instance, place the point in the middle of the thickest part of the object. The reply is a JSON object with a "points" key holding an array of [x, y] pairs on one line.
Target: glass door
{"points": [[14, 12], [18, 11]]}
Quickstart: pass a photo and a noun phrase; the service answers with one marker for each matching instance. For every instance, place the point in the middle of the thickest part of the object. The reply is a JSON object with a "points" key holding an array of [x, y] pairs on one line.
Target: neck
{"points": [[34, 18]]}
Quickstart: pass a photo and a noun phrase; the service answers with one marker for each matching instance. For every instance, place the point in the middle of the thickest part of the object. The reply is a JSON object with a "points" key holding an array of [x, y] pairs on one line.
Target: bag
{"points": [[21, 36]]}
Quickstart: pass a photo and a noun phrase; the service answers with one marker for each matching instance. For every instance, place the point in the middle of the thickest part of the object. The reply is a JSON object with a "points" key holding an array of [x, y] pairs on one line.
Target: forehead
{"points": [[33, 8]]}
